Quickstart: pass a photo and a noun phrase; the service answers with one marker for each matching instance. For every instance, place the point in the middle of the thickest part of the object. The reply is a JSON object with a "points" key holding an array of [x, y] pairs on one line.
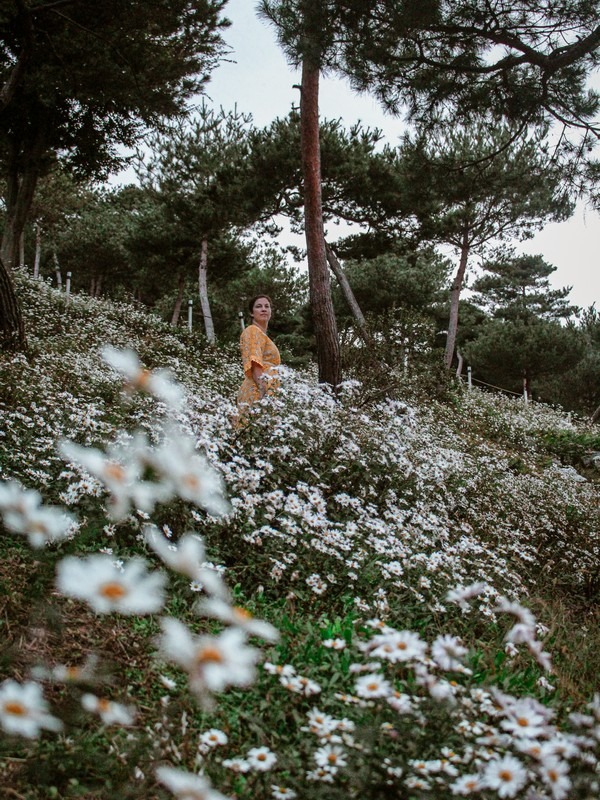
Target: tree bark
{"points": [[339, 273], [595, 416], [455, 291], [12, 328], [22, 249], [38, 250], [58, 272], [21, 183], [203, 292], [326, 334], [178, 300]]}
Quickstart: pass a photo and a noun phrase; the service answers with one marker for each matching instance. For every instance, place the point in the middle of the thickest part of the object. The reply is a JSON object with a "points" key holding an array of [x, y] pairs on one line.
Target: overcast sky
{"points": [[257, 78]]}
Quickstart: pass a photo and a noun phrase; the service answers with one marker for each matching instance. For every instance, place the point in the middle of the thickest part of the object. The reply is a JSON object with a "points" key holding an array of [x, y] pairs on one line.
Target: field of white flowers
{"points": [[342, 598]]}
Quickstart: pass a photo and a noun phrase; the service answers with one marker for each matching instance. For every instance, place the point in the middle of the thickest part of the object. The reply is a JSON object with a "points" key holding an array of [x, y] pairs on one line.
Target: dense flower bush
{"points": [[349, 607]]}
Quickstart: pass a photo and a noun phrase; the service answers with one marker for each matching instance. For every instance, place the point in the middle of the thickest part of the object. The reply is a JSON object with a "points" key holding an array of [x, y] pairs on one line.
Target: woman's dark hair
{"points": [[255, 298]]}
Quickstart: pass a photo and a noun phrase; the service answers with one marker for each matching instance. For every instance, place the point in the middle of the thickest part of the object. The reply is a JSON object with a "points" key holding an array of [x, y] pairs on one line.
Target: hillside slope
{"points": [[388, 542]]}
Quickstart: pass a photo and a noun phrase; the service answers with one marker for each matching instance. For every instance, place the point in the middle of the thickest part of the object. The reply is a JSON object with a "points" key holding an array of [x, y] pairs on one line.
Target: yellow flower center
{"points": [[209, 655], [15, 708], [241, 613], [372, 686], [332, 758], [114, 471], [103, 704], [552, 775], [505, 775], [401, 646], [191, 481], [142, 379], [113, 591], [522, 721]]}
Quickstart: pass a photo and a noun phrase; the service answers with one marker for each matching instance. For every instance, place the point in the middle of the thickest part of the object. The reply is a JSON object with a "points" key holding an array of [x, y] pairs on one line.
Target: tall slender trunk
{"points": [[455, 291], [178, 300], [12, 328], [203, 292], [342, 279], [38, 250], [98, 286], [58, 272], [22, 249], [326, 334], [21, 183]]}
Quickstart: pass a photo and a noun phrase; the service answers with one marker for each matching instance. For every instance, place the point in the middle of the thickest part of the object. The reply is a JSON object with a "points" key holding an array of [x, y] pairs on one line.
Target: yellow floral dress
{"points": [[258, 348]]}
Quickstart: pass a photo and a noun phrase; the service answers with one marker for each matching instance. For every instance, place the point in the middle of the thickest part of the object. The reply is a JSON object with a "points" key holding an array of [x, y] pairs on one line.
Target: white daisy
{"points": [[506, 776], [261, 758], [214, 738], [554, 773], [156, 382], [187, 785], [330, 756], [110, 713], [448, 652], [282, 793], [107, 588], [234, 615], [373, 685], [188, 557], [24, 711], [334, 644], [397, 646], [466, 784], [213, 662]]}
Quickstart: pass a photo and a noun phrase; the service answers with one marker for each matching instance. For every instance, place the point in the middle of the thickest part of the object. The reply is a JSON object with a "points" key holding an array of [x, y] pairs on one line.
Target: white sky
{"points": [[258, 80]]}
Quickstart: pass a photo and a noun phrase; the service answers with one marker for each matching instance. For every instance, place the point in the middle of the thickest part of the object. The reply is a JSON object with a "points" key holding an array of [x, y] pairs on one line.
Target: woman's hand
{"points": [[260, 379]]}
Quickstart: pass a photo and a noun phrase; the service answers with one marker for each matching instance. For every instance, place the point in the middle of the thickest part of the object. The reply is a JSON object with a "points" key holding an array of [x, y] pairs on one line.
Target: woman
{"points": [[260, 356]]}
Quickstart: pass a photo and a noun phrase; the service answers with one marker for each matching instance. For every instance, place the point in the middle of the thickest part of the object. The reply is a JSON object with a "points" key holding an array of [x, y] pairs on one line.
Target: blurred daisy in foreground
{"points": [[187, 785], [24, 711], [188, 557], [156, 382], [110, 713], [234, 615], [212, 662], [107, 588], [23, 513]]}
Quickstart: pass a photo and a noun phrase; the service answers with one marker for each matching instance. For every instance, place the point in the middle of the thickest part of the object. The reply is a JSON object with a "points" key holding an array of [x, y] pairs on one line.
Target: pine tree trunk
{"points": [[339, 273], [178, 300], [326, 334], [20, 187], [98, 286], [57, 270], [12, 328], [455, 291], [38, 250], [203, 292], [22, 249]]}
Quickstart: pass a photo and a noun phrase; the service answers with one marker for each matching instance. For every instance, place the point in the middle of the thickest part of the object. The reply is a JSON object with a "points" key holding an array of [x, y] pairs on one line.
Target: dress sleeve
{"points": [[252, 349]]}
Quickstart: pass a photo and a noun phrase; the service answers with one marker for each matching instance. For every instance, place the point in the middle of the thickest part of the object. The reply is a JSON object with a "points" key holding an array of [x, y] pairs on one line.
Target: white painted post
{"points": [[241, 316], [470, 377], [190, 311], [68, 284], [525, 398]]}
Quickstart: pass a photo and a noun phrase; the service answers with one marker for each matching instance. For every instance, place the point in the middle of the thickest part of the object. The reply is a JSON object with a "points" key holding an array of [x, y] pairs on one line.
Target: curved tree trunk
{"points": [[455, 291], [344, 283], [328, 346], [12, 328], [178, 300], [209, 328]]}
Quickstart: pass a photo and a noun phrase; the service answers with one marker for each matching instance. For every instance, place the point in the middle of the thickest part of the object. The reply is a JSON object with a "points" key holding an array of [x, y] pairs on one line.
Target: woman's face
{"points": [[261, 311]]}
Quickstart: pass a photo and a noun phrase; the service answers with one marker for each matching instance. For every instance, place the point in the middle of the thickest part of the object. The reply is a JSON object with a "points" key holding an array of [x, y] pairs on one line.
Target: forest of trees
{"points": [[502, 125]]}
